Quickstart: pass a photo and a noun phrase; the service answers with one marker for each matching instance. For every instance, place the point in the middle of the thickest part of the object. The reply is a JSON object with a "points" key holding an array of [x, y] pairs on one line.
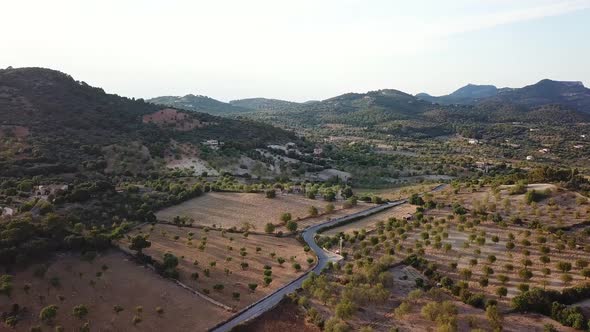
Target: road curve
{"points": [[324, 257]]}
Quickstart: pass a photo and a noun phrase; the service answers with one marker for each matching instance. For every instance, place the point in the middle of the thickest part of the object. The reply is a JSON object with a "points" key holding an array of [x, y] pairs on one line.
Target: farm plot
{"points": [[225, 265], [118, 295], [497, 251], [370, 223], [514, 251], [397, 193], [552, 206], [311, 221], [227, 210]]}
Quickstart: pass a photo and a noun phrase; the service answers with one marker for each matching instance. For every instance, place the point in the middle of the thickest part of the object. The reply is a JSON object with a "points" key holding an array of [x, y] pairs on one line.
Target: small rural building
{"points": [[544, 151], [529, 158], [473, 141]]}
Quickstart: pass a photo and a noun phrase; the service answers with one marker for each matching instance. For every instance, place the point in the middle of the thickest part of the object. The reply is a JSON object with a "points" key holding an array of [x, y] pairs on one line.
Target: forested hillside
{"points": [[401, 114], [58, 124]]}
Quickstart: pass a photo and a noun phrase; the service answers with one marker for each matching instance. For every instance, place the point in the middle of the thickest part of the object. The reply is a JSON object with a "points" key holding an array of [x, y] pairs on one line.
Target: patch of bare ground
{"points": [[187, 156], [109, 280], [217, 257], [173, 119]]}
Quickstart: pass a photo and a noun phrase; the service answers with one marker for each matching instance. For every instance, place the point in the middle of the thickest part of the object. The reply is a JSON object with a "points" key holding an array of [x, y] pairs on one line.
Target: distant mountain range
{"points": [[209, 105], [261, 104], [468, 94], [199, 103], [566, 95], [572, 95]]}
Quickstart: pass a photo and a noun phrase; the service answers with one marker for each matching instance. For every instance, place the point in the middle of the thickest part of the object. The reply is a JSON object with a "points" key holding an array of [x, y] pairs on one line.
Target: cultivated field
{"points": [[370, 223], [399, 192], [507, 249], [227, 210], [311, 221], [107, 281], [220, 253]]}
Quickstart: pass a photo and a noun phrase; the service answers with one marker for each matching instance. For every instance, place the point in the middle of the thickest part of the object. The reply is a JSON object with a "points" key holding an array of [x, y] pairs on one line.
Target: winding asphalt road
{"points": [[324, 257]]}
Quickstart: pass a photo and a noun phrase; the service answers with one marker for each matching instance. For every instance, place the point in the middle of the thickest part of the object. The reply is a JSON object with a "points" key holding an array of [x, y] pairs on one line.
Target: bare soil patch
{"points": [[174, 119]]}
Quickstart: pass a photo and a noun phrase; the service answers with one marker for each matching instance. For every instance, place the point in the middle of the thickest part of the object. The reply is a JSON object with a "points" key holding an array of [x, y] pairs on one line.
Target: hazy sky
{"points": [[301, 49]]}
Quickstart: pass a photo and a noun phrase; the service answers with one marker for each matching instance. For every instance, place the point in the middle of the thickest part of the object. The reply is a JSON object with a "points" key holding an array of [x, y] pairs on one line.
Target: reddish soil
{"points": [[171, 117]]}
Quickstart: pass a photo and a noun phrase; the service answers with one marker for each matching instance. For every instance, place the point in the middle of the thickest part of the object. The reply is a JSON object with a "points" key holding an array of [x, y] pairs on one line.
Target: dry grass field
{"points": [[311, 221], [370, 223], [228, 210], [223, 263], [110, 280], [561, 208], [398, 192]]}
